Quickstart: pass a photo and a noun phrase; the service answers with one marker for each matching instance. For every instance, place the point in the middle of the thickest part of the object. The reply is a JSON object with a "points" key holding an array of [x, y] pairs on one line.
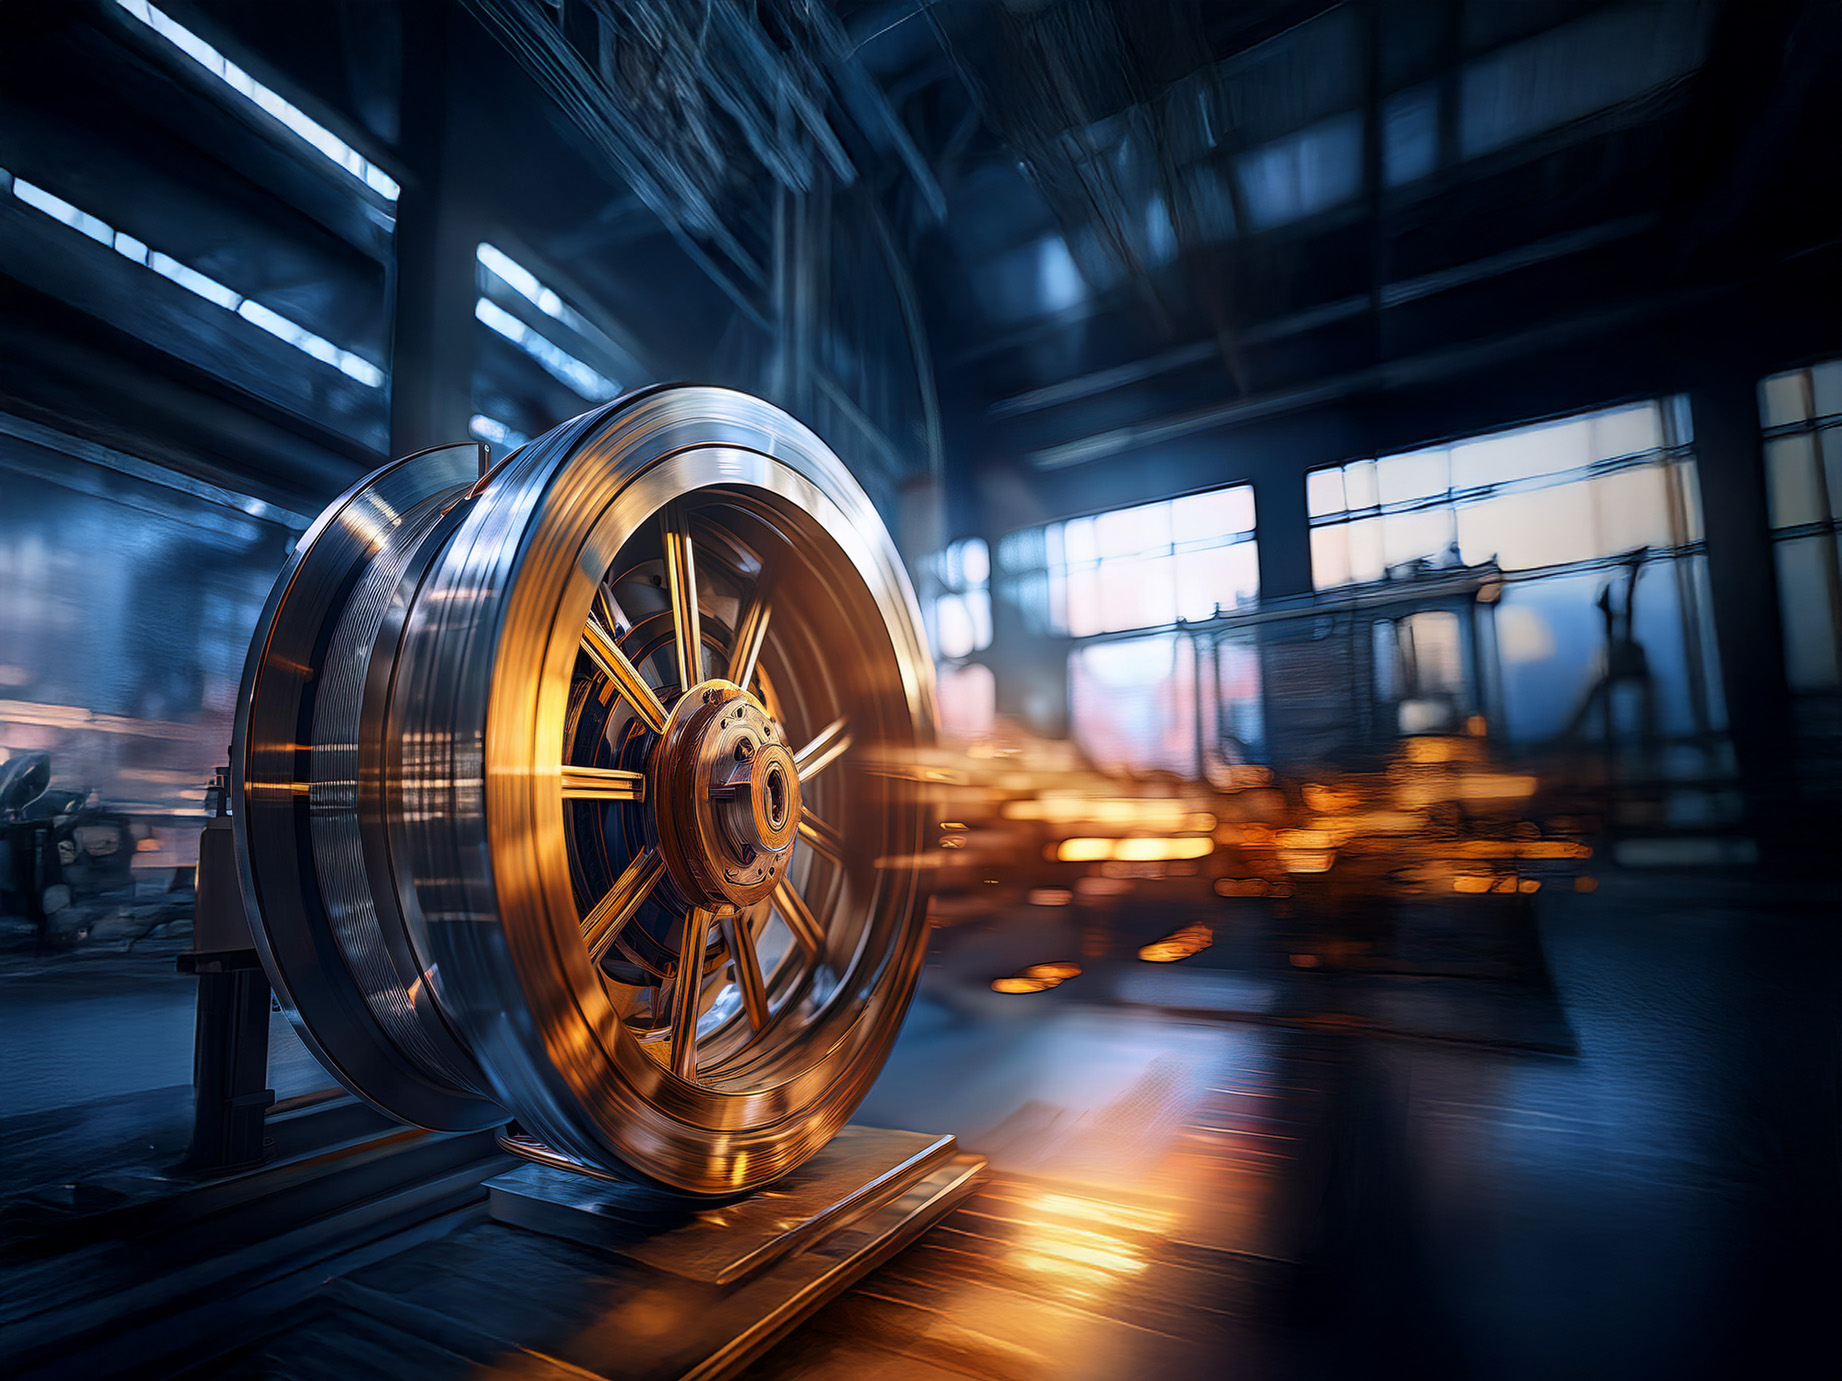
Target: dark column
{"points": [[438, 230], [1742, 576], [1288, 655], [1284, 533]]}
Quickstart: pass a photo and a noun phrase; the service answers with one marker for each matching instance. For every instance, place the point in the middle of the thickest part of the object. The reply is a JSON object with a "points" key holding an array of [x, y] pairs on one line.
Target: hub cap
{"points": [[727, 808]]}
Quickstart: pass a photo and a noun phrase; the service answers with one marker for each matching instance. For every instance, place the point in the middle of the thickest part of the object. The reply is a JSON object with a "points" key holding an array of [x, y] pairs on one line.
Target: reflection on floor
{"points": [[1619, 1162], [1569, 1135]]}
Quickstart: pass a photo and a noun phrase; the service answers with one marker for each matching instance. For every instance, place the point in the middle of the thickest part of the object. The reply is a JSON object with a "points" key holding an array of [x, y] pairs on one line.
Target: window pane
{"points": [[1330, 558], [1633, 508], [1626, 432], [1359, 484], [1218, 513], [1424, 534], [1417, 475], [978, 609], [975, 561], [955, 625], [1324, 491], [1790, 480], [1523, 531], [1083, 602], [968, 700], [1133, 531], [1241, 569], [1688, 485], [1830, 440], [1365, 550], [1522, 454], [1826, 386], [1204, 579], [1784, 398], [1078, 538], [1137, 592], [1804, 593], [1131, 703]]}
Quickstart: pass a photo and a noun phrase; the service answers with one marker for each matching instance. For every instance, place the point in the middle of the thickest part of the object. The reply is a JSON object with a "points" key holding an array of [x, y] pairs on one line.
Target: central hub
{"points": [[727, 799]]}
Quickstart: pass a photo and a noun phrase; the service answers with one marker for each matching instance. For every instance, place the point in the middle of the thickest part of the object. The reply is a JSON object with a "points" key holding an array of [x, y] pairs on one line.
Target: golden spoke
{"points": [[603, 784], [604, 923], [681, 577], [798, 916], [608, 611], [605, 653], [821, 836], [747, 967], [687, 987], [750, 634], [831, 744]]}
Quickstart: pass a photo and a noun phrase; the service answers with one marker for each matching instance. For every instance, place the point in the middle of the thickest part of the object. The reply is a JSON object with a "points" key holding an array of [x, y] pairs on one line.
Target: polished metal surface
{"points": [[861, 1170], [521, 809]]}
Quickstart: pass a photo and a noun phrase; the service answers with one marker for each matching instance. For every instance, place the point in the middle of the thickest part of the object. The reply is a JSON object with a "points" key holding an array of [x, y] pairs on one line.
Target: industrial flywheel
{"points": [[557, 790]]}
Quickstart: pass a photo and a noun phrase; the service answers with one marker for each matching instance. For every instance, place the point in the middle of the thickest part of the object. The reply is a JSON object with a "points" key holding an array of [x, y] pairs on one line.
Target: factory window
{"points": [[1594, 522], [1557, 494], [1141, 567], [192, 280], [1148, 702], [956, 598], [542, 359], [1801, 412], [1167, 702], [288, 115], [955, 592]]}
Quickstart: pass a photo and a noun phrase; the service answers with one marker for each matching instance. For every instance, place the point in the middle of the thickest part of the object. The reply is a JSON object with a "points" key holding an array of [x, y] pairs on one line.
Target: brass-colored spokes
{"points": [[798, 916], [681, 581], [751, 632], [830, 744], [603, 784], [605, 920], [687, 992], [605, 653], [821, 836], [678, 1003], [739, 936]]}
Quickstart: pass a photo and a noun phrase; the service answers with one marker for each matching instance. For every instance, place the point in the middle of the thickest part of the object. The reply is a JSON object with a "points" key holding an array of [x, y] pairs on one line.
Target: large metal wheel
{"points": [[555, 792]]}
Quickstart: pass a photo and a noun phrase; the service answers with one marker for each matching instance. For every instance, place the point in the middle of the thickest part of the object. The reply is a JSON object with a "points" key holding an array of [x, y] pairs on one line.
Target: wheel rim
{"points": [[674, 932]]}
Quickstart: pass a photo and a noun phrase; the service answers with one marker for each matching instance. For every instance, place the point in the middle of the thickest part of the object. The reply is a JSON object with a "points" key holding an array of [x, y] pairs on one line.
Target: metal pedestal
{"points": [[746, 1270]]}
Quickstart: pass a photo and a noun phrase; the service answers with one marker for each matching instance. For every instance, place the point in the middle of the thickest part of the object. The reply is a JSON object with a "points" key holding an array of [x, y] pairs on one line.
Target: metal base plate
{"points": [[862, 1169], [747, 1271]]}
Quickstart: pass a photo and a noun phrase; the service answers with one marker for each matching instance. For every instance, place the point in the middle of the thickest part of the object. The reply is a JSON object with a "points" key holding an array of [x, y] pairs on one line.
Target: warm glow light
{"points": [[1240, 887], [1116, 1215], [1191, 940], [1307, 860], [1131, 812], [1146, 850], [1021, 985], [1303, 839]]}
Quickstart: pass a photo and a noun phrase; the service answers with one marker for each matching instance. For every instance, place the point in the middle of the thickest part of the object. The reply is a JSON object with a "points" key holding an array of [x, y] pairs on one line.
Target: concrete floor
{"points": [[1336, 1196], [1594, 1138]]}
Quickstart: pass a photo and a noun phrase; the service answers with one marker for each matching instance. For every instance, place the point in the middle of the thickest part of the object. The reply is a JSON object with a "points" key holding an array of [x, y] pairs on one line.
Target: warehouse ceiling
{"points": [[1170, 216], [1058, 232]]}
